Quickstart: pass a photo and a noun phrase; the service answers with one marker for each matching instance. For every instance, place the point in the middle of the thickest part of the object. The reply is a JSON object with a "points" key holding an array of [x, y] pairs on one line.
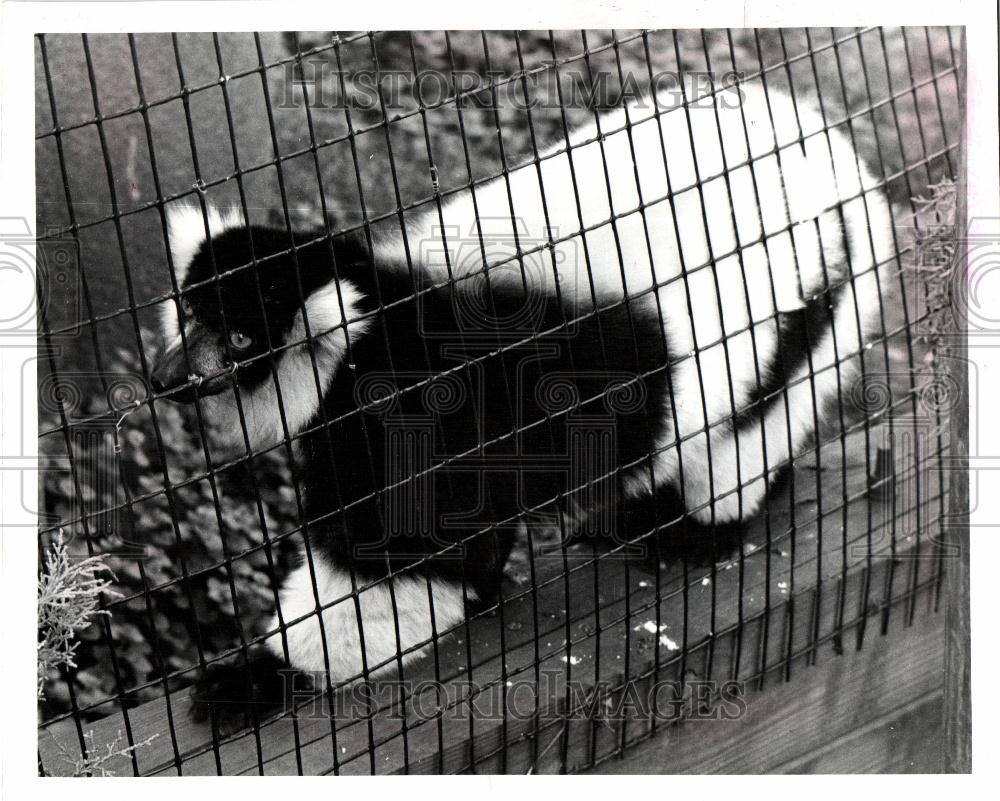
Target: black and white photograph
{"points": [[517, 399]]}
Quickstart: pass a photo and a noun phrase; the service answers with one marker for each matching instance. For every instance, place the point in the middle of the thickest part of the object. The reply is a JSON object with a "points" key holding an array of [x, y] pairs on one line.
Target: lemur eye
{"points": [[186, 306], [239, 340]]}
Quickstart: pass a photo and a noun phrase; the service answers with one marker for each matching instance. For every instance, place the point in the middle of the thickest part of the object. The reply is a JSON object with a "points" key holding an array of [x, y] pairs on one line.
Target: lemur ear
{"points": [[185, 236], [186, 227]]}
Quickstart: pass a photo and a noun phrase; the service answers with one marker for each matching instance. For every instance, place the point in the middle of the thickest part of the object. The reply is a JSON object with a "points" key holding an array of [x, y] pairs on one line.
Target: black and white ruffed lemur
{"points": [[704, 276]]}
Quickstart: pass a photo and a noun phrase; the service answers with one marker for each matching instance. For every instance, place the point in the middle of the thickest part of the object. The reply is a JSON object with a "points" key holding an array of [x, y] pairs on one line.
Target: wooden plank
{"points": [[907, 740], [810, 575], [787, 726], [958, 689]]}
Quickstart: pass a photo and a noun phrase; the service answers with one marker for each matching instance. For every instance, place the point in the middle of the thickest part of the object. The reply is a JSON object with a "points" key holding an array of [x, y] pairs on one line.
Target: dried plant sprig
{"points": [[69, 590], [935, 264], [936, 249], [95, 763]]}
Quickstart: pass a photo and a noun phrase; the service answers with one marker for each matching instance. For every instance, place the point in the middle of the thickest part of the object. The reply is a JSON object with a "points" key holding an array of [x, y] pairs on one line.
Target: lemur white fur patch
{"points": [[185, 236], [338, 623], [300, 395], [730, 210], [823, 172]]}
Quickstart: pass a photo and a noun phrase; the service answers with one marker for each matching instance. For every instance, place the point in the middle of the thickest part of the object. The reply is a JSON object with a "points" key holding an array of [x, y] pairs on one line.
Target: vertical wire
{"points": [[726, 170], [866, 420], [505, 172], [126, 269], [886, 607], [914, 558], [935, 408], [869, 554], [50, 352], [385, 125], [559, 300], [954, 172], [627, 600], [699, 188], [790, 602], [683, 276], [643, 205], [657, 568], [814, 629], [161, 450], [837, 367], [792, 456], [587, 262], [438, 206], [658, 116], [203, 435], [310, 340], [287, 435], [590, 280], [459, 111], [380, 306], [784, 394], [934, 87]]}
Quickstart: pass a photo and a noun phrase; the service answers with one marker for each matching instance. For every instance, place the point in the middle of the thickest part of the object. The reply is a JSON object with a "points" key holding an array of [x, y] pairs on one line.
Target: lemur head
{"points": [[241, 312]]}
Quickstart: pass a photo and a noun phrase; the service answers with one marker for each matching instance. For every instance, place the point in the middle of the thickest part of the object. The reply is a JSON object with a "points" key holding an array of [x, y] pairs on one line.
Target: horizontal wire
{"points": [[203, 185], [214, 470]]}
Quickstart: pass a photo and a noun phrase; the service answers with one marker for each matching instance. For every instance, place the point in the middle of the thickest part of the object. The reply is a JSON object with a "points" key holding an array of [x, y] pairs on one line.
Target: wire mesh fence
{"points": [[524, 374]]}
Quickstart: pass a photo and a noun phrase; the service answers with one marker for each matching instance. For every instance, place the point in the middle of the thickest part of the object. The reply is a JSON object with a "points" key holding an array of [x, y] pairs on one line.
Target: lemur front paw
{"points": [[236, 696]]}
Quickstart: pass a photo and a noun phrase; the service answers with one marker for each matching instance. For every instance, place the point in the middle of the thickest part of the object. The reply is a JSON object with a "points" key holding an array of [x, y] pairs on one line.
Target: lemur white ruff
{"points": [[716, 266]]}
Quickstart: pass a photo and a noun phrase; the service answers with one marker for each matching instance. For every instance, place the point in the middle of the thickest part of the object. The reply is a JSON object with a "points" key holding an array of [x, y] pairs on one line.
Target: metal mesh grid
{"points": [[191, 531]]}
